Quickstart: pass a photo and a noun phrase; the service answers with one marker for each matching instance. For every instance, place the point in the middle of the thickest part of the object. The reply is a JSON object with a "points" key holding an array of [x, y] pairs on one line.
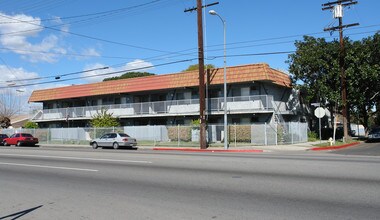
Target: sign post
{"points": [[319, 113]]}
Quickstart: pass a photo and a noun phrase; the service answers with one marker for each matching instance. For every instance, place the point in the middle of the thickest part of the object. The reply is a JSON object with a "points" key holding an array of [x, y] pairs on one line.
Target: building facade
{"points": [[255, 93]]}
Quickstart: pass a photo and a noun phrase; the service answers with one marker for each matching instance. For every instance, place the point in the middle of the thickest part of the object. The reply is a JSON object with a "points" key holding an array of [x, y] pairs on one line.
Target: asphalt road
{"points": [[368, 149], [40, 183]]}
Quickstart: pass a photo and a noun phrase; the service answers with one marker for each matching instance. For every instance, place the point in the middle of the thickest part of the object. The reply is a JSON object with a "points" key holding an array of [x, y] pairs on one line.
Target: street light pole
{"points": [[212, 12]]}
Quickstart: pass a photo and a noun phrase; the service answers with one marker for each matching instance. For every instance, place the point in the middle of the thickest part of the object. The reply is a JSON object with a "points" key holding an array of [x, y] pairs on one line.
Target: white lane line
{"points": [[77, 158], [48, 167]]}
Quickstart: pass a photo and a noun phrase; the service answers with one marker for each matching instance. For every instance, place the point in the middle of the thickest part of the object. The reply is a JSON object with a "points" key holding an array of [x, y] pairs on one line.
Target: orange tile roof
{"points": [[235, 74]]}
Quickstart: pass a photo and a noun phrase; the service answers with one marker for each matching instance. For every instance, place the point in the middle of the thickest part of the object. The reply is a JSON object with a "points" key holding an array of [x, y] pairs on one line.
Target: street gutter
{"points": [[335, 147], [209, 150]]}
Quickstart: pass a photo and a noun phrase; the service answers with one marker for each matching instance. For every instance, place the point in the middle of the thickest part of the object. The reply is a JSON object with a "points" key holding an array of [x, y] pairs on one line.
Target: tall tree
{"points": [[315, 69], [10, 103], [363, 68]]}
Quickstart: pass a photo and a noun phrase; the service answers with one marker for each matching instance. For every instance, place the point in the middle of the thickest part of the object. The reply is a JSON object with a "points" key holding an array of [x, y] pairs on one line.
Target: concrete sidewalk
{"points": [[232, 148], [308, 146], [248, 148]]}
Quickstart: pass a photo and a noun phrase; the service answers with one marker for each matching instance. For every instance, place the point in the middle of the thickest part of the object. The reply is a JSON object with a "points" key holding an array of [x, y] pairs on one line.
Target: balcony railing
{"points": [[249, 104]]}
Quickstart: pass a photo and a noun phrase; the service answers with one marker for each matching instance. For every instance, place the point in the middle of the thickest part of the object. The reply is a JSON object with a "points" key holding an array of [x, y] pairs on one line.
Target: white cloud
{"points": [[16, 33], [96, 75], [138, 64], [15, 75], [90, 52], [12, 81]]}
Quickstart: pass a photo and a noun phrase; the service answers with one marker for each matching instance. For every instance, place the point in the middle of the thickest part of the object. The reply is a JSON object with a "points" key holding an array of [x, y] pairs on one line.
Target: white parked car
{"points": [[115, 140]]}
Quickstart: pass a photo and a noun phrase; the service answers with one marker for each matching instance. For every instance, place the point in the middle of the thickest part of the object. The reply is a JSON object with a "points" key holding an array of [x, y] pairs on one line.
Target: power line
{"points": [[151, 59], [97, 75], [86, 36], [128, 70]]}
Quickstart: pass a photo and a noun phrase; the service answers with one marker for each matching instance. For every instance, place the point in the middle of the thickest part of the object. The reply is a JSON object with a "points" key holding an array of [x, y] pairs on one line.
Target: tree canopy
{"points": [[5, 122], [129, 75], [315, 70], [196, 67]]}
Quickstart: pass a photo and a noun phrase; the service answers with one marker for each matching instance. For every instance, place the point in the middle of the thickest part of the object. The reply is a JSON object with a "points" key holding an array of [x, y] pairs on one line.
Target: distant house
{"points": [[18, 121], [256, 93]]}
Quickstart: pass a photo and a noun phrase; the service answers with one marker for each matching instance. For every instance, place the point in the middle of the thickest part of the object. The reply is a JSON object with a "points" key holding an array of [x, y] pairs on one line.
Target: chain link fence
{"points": [[179, 136]]}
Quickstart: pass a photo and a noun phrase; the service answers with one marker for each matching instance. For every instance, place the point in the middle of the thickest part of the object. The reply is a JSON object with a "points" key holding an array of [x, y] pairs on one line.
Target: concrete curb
{"points": [[335, 147], [208, 150]]}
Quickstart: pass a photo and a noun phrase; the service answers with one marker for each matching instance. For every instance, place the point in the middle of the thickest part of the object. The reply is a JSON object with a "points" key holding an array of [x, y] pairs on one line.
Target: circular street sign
{"points": [[319, 112]]}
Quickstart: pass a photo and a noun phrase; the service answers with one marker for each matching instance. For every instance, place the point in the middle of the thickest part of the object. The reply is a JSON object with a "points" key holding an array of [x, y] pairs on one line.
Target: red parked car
{"points": [[20, 139]]}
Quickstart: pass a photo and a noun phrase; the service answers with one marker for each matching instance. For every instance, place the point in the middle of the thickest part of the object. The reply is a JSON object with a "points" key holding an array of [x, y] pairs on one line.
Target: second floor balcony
{"points": [[237, 105]]}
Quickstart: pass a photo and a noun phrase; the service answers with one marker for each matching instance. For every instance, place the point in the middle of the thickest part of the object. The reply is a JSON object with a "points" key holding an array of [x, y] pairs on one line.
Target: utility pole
{"points": [[337, 8], [202, 101]]}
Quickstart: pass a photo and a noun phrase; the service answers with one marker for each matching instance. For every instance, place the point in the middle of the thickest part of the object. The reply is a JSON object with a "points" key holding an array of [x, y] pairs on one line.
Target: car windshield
{"points": [[375, 130], [123, 135], [26, 135]]}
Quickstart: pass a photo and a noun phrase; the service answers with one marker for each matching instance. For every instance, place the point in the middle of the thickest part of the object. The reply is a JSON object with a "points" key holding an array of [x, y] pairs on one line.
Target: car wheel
{"points": [[115, 145], [18, 144], [94, 145], [5, 143]]}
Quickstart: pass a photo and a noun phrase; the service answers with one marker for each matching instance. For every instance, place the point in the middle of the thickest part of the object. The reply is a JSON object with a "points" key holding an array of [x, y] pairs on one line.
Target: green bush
{"points": [[312, 136], [30, 124], [243, 133], [280, 134], [184, 133], [104, 119]]}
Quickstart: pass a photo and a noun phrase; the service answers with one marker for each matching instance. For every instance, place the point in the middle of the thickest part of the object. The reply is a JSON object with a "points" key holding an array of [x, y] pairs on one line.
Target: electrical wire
{"points": [[207, 58], [97, 75]]}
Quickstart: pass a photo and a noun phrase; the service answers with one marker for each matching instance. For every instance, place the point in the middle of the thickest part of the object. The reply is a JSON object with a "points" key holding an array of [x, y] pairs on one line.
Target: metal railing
{"points": [[172, 107]]}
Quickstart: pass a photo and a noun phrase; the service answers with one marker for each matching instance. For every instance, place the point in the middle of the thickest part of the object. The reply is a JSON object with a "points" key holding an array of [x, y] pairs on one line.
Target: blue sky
{"points": [[49, 38]]}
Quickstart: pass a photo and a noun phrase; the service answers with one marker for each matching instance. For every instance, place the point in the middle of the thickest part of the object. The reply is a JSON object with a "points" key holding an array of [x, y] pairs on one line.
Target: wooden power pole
{"points": [[202, 100], [337, 8]]}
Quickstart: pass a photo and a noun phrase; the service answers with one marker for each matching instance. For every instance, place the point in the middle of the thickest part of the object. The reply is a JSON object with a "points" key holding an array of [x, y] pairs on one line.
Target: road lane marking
{"points": [[77, 158], [48, 167]]}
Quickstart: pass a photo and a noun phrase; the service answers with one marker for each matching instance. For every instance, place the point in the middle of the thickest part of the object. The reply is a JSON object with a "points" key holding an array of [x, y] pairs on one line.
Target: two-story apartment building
{"points": [[256, 93]]}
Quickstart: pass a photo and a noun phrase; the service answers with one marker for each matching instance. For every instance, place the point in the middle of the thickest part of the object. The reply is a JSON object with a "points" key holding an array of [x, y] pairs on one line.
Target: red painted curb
{"points": [[207, 150], [334, 147]]}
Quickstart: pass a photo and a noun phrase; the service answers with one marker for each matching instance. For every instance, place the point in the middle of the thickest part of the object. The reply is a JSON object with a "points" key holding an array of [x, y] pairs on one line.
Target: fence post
{"points": [[235, 134], [265, 134], [178, 135], [276, 133], [290, 128], [299, 132]]}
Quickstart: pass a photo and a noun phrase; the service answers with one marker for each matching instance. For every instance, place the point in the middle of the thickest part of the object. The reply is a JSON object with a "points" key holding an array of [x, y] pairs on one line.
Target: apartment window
{"points": [[253, 90], [235, 120], [107, 101], [117, 100], [236, 92], [180, 96], [254, 119]]}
